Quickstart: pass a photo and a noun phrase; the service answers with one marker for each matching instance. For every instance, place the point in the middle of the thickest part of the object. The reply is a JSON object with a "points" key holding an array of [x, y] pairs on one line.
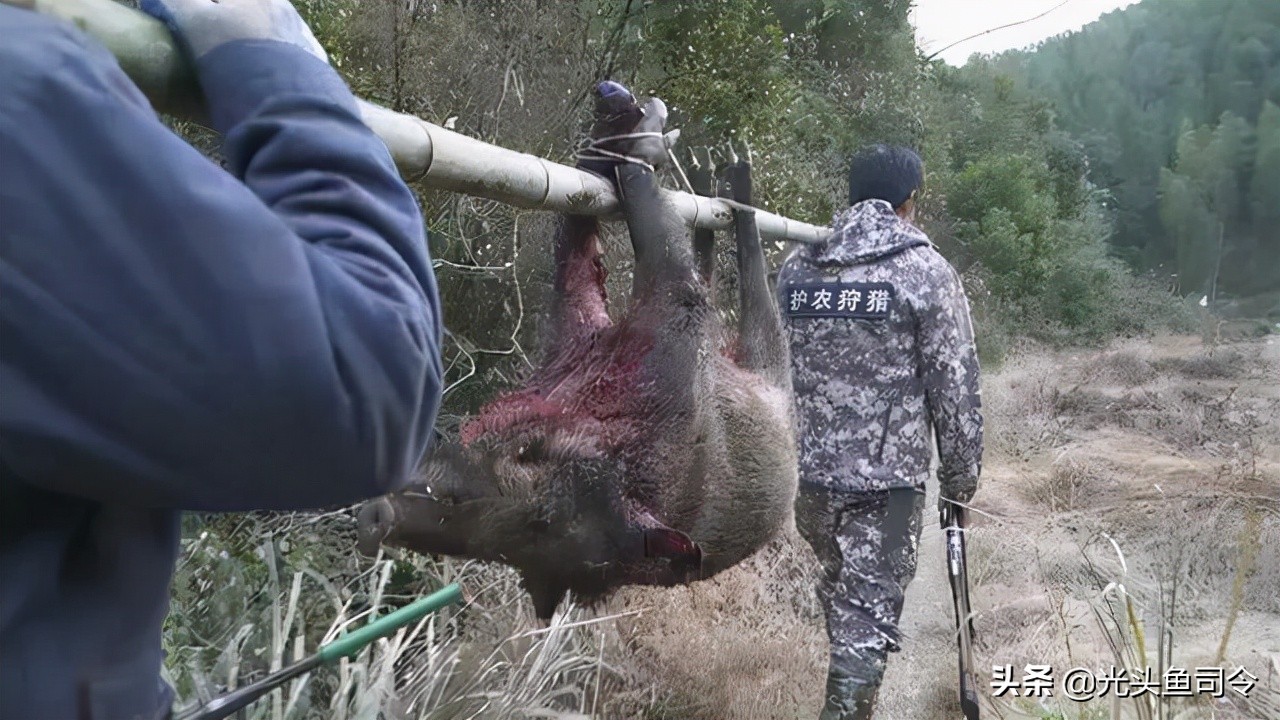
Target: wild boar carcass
{"points": [[646, 451]]}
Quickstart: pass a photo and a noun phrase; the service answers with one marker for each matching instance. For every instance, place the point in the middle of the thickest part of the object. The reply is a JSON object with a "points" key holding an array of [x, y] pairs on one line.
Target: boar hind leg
{"points": [[658, 235], [704, 239], [579, 306], [761, 346], [669, 302]]}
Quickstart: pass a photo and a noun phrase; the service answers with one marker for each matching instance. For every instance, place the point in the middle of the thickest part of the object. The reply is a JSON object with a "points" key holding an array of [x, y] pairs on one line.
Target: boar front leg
{"points": [[579, 307]]}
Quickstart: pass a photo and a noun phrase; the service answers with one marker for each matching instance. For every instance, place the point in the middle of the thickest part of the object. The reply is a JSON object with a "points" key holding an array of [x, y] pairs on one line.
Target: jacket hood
{"points": [[864, 233]]}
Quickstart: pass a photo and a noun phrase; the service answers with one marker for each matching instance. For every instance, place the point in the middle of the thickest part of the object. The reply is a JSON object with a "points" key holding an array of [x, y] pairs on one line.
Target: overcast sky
{"points": [[942, 22]]}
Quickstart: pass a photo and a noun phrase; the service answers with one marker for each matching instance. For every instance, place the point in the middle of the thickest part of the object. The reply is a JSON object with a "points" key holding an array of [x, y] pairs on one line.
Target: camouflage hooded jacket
{"points": [[881, 352]]}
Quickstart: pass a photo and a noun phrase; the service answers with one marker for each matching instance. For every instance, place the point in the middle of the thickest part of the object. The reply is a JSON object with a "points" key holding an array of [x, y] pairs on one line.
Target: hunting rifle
{"points": [[953, 525]]}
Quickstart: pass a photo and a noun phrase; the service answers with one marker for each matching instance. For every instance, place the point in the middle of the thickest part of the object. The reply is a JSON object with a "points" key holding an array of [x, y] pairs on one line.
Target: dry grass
{"points": [[1070, 484], [1168, 465], [747, 644], [1127, 367], [1020, 411], [993, 555], [1118, 612], [486, 659], [1153, 519], [726, 648], [1209, 365]]}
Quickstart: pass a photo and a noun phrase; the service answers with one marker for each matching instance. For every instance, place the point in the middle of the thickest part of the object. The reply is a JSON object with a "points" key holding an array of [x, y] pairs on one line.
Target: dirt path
{"points": [[1166, 447], [921, 680], [1165, 450]]}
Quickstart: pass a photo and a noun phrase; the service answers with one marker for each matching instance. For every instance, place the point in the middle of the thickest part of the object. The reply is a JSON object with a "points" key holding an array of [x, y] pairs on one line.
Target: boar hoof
{"points": [[373, 524]]}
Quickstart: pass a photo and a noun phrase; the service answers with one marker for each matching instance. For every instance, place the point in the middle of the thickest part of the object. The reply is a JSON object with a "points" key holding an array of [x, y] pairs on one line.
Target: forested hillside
{"points": [[1177, 105]]}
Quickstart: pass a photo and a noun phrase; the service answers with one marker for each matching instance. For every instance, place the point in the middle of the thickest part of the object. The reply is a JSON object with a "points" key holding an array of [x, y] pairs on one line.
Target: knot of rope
{"points": [[594, 150]]}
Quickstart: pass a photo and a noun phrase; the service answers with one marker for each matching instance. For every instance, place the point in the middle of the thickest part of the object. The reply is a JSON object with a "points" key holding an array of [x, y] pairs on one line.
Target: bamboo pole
{"points": [[423, 152]]}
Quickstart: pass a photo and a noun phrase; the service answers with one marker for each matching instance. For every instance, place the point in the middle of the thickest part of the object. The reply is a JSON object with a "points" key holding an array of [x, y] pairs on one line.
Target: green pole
{"points": [[345, 646], [352, 643]]}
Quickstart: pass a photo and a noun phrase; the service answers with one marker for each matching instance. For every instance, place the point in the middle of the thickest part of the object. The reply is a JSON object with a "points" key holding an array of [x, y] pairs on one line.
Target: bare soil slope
{"points": [[1165, 452]]}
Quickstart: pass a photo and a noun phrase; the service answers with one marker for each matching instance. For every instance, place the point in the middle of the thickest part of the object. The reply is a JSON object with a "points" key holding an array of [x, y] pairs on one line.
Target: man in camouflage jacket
{"points": [[882, 357]]}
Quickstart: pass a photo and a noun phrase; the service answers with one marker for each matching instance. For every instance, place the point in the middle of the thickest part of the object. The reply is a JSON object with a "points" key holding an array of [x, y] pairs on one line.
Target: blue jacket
{"points": [[174, 336]]}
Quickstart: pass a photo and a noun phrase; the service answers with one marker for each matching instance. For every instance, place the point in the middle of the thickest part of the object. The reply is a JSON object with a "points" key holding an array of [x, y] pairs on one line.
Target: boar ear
{"points": [[663, 542]]}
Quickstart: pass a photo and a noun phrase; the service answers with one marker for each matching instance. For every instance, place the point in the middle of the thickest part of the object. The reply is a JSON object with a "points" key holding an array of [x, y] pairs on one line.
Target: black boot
{"points": [[849, 699]]}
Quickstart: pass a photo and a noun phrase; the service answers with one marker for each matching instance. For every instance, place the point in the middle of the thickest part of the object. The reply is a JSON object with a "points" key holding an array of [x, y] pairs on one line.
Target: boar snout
{"points": [[373, 524]]}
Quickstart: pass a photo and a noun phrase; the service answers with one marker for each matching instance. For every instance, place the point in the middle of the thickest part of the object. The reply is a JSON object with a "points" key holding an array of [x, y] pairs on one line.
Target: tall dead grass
{"points": [[1170, 563], [254, 593]]}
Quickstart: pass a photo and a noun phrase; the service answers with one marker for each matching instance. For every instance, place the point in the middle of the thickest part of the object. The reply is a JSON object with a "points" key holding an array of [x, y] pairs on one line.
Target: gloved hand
{"points": [[955, 498], [624, 131], [203, 25]]}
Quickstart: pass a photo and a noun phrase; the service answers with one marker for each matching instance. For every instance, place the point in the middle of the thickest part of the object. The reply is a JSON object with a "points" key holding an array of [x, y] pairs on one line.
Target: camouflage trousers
{"points": [[866, 542]]}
